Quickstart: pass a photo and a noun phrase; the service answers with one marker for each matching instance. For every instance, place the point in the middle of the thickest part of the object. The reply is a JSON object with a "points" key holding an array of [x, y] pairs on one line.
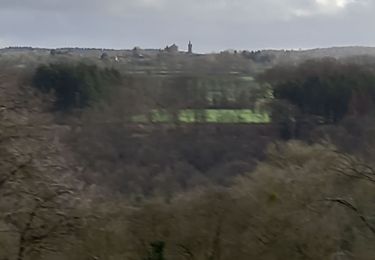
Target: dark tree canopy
{"points": [[75, 86], [326, 88]]}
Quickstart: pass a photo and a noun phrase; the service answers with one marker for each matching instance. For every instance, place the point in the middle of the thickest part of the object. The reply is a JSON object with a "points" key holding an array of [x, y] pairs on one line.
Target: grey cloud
{"points": [[211, 24]]}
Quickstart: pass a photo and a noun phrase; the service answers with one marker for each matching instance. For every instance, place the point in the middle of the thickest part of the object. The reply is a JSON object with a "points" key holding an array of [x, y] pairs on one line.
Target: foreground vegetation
{"points": [[89, 180]]}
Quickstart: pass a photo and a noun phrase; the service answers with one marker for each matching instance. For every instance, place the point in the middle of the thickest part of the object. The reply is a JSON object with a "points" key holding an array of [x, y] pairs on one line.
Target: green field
{"points": [[224, 116]]}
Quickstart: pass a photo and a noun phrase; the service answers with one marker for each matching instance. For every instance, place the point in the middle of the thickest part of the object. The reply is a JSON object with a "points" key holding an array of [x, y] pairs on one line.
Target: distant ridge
{"points": [[279, 54]]}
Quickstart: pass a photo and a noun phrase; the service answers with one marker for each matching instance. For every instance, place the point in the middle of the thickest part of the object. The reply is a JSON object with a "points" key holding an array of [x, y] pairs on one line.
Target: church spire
{"points": [[190, 48]]}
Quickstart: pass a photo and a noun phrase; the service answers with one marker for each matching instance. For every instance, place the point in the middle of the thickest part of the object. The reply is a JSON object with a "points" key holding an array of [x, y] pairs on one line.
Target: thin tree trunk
{"points": [[22, 249], [22, 240]]}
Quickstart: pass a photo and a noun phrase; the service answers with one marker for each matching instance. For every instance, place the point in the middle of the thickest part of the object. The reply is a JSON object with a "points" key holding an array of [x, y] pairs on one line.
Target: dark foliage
{"points": [[325, 88], [75, 86], [157, 251]]}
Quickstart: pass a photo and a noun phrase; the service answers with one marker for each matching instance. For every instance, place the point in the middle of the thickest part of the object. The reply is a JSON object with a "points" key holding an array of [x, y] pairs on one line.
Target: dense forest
{"points": [[238, 157]]}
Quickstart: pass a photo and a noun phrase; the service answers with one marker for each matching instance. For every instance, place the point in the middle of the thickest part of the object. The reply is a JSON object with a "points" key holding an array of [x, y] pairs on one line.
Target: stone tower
{"points": [[190, 48]]}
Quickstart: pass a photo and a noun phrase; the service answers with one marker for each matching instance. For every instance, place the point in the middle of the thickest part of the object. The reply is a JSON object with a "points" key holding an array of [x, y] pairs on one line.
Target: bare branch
{"points": [[15, 171], [350, 206]]}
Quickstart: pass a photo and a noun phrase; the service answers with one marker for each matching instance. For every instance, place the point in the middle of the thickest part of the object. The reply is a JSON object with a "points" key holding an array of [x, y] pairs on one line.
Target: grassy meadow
{"points": [[217, 116]]}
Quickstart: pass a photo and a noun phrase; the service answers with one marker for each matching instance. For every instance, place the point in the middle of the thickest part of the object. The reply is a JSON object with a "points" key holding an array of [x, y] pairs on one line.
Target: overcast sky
{"points": [[211, 25]]}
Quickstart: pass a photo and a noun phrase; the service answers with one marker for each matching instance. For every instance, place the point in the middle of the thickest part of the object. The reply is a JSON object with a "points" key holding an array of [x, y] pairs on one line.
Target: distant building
{"points": [[54, 52], [171, 49], [229, 51], [137, 53], [104, 56], [190, 48]]}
